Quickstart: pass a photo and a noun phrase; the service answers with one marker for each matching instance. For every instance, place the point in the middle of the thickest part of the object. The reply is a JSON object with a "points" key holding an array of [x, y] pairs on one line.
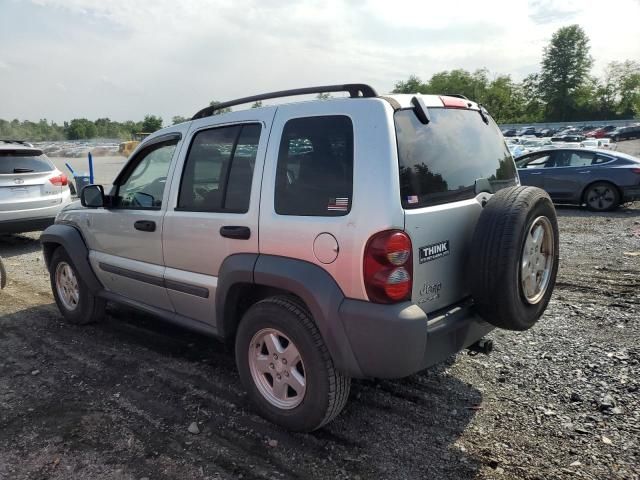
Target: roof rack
{"points": [[355, 90], [19, 142]]}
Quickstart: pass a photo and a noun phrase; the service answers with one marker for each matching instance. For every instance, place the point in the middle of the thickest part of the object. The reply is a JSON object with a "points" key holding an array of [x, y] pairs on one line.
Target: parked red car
{"points": [[600, 132]]}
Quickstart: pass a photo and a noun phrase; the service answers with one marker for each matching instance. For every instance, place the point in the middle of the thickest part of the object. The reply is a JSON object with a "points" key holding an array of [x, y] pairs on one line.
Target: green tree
{"points": [[624, 79], [257, 104], [178, 119], [566, 63], [412, 85], [151, 123], [220, 111], [80, 128], [323, 96]]}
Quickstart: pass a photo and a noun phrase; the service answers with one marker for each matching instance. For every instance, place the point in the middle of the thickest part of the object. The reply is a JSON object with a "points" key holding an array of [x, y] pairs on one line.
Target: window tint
{"points": [[534, 161], [315, 167], [143, 186], [571, 158], [601, 159], [17, 161], [219, 170], [441, 161]]}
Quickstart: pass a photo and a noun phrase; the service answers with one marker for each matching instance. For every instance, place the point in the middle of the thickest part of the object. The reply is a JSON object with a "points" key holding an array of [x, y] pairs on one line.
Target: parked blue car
{"points": [[599, 179]]}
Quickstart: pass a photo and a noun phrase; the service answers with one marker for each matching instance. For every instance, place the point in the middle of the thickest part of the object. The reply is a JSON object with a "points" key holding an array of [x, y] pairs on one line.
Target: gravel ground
{"points": [[116, 400]]}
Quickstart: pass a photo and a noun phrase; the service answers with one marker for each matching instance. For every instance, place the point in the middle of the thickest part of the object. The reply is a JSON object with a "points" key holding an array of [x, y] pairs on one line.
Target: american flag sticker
{"points": [[338, 204], [412, 199]]}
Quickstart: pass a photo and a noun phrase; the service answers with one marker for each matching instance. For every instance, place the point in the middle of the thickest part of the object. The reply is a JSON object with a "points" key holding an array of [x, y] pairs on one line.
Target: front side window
{"points": [[143, 186], [219, 170], [441, 161], [538, 160], [315, 167]]}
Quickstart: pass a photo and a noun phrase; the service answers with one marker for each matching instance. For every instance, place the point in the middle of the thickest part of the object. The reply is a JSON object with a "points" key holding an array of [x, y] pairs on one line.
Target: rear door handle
{"points": [[584, 171], [145, 225], [535, 173], [239, 233]]}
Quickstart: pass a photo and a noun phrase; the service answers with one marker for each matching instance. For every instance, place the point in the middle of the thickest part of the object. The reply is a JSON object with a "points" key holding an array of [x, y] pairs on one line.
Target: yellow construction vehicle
{"points": [[125, 148]]}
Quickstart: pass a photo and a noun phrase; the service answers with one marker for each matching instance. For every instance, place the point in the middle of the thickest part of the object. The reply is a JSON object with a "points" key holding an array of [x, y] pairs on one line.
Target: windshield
{"points": [[441, 161], [18, 161]]}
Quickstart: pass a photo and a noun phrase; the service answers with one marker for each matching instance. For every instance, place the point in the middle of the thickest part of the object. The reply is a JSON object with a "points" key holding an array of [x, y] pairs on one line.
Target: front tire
{"points": [[76, 303], [286, 368]]}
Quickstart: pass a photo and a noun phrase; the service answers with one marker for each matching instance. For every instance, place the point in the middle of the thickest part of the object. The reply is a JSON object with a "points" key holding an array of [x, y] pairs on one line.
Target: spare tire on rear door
{"points": [[514, 257]]}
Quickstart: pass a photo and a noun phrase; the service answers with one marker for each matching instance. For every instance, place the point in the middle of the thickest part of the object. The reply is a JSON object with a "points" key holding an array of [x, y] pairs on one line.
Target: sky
{"points": [[122, 59]]}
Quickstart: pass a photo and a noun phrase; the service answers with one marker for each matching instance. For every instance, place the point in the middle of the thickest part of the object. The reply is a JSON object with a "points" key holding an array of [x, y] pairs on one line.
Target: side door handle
{"points": [[145, 225], [239, 233], [534, 173], [584, 171]]}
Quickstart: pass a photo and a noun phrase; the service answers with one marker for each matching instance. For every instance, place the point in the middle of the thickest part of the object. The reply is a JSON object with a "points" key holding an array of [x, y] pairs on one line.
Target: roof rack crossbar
{"points": [[16, 142], [9, 140], [354, 89]]}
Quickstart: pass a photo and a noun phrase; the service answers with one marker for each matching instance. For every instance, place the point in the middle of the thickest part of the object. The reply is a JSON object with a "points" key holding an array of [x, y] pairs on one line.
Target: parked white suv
{"points": [[32, 189], [369, 236]]}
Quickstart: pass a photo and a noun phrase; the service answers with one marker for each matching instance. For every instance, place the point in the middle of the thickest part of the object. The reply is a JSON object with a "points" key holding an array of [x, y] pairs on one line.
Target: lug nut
{"points": [[284, 361], [275, 357], [286, 374], [278, 377], [271, 366]]}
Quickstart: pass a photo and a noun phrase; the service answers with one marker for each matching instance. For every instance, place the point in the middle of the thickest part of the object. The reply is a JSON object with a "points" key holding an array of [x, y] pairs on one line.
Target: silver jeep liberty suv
{"points": [[362, 236]]}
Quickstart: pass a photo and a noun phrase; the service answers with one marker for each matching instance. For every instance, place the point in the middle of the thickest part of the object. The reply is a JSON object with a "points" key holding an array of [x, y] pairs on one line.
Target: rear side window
{"points": [[571, 158], [441, 161], [17, 161], [219, 170], [315, 167]]}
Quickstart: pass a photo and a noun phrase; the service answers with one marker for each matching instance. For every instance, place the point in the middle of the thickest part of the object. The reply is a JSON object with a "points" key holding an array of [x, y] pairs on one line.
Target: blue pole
{"points": [[90, 168], [70, 169]]}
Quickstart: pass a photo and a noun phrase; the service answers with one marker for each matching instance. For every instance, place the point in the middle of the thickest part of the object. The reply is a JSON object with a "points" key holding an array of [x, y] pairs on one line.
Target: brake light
{"points": [[455, 102], [59, 180], [388, 267]]}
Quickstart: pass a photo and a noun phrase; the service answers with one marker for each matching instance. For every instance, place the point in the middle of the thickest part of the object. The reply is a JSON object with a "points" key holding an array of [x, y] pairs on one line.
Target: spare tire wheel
{"points": [[514, 257]]}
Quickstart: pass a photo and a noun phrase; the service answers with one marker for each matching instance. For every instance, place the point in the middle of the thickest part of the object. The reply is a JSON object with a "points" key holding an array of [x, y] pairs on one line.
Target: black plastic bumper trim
{"points": [[187, 288]]}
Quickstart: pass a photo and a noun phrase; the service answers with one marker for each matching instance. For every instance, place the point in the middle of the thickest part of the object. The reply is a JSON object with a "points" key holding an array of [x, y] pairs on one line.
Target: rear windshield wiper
{"points": [[23, 170]]}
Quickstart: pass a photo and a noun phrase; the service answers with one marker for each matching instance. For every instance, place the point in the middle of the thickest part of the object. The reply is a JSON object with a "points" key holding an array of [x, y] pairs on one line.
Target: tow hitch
{"points": [[484, 345]]}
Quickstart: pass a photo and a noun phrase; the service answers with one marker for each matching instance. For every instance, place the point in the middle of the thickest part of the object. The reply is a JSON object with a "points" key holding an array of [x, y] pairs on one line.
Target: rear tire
{"points": [[76, 303], [514, 257], [320, 393], [601, 197]]}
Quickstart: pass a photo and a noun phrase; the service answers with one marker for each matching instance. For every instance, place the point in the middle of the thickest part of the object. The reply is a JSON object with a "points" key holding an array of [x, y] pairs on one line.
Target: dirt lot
{"points": [[115, 400]]}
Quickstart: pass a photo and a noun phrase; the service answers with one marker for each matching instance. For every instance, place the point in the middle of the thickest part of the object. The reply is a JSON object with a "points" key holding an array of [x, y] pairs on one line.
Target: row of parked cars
{"points": [[78, 149], [519, 146], [615, 133]]}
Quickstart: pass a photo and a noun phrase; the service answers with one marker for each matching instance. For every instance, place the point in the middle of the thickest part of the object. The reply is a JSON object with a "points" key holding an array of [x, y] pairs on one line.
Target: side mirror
{"points": [[92, 196]]}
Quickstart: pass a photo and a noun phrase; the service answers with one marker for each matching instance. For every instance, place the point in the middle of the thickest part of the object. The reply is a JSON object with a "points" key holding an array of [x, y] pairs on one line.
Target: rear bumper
{"points": [[393, 341], [630, 194], [25, 224], [34, 219]]}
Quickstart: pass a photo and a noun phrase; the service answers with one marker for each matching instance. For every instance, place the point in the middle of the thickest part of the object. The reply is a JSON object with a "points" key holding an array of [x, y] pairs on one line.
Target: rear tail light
{"points": [[59, 180], [388, 267]]}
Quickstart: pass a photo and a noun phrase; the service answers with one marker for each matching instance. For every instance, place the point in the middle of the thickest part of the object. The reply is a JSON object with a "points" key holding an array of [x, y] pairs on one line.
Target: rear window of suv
{"points": [[441, 161], [23, 161]]}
